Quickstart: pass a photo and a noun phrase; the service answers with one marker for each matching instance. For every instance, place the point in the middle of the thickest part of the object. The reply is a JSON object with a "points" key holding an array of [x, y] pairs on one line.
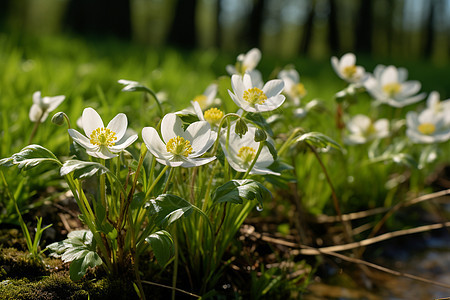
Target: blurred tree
{"points": [[182, 32]]}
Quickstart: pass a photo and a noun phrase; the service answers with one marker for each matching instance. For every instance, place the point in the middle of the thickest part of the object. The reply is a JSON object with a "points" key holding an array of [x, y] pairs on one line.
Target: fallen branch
{"points": [[377, 267], [370, 241], [171, 288], [379, 210]]}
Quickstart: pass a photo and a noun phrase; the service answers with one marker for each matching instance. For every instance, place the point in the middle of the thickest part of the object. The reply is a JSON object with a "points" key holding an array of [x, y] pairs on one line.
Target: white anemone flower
{"points": [[427, 127], [42, 106], [347, 69], [241, 152], [293, 88], [253, 99], [388, 85], [180, 147], [245, 62], [362, 129], [99, 141], [208, 98]]}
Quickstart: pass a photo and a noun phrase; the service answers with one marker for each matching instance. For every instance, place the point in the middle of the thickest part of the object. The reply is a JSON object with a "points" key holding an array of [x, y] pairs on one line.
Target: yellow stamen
{"points": [[179, 146], [426, 128], [392, 89], [213, 115], [349, 71], [103, 137], [254, 96], [201, 99], [247, 154], [298, 90]]}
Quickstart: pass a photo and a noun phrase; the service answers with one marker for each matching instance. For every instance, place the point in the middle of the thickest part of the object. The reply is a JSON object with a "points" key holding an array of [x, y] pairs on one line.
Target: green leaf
{"points": [[236, 191], [162, 245], [258, 120], [30, 157], [318, 140], [168, 208], [78, 267], [80, 250], [82, 169]]}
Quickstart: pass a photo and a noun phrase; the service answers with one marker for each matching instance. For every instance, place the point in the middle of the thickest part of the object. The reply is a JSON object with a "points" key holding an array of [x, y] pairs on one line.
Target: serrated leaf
{"points": [[78, 267], [30, 157], [82, 169], [318, 140], [168, 208], [162, 245], [236, 191]]}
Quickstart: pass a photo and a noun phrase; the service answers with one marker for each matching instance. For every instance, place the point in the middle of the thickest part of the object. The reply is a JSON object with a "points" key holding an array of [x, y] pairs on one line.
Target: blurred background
{"points": [[407, 29]]}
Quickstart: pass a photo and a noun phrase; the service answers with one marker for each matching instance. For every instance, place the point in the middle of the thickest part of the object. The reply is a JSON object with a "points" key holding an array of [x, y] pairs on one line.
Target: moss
{"points": [[60, 286], [17, 264]]}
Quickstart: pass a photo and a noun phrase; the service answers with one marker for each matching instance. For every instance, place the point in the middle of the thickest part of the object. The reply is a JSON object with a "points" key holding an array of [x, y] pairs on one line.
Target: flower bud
{"points": [[241, 127], [260, 135], [58, 118]]}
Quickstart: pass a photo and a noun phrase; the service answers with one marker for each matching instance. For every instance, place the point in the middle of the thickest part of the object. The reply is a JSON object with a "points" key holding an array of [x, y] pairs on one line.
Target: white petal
{"points": [[271, 103], [195, 162], [198, 110], [53, 102], [390, 75], [231, 69], [103, 153], [198, 133], [348, 59], [82, 140], [171, 126], [263, 171], [237, 85], [409, 88], [273, 87], [120, 147], [35, 113], [251, 59], [154, 143], [247, 82], [118, 125], [91, 120], [37, 97]]}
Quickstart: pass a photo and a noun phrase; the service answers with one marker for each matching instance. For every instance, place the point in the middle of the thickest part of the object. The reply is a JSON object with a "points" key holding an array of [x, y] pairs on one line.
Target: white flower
{"points": [[346, 69], [208, 98], [99, 141], [179, 147], [251, 98], [242, 151], [388, 85], [43, 106], [362, 129], [427, 127], [292, 86], [245, 62]]}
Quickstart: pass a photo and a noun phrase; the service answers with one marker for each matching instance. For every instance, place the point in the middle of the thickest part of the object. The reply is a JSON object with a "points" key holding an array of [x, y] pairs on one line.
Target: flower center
{"points": [[426, 128], [103, 137], [298, 90], [349, 71], [213, 115], [370, 130], [247, 154], [179, 146], [254, 96], [392, 89], [201, 99]]}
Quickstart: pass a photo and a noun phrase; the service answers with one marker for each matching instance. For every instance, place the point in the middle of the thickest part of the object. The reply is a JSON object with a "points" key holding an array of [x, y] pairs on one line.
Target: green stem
{"points": [[161, 111], [261, 144], [175, 265], [155, 182], [35, 128], [168, 180], [287, 143]]}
